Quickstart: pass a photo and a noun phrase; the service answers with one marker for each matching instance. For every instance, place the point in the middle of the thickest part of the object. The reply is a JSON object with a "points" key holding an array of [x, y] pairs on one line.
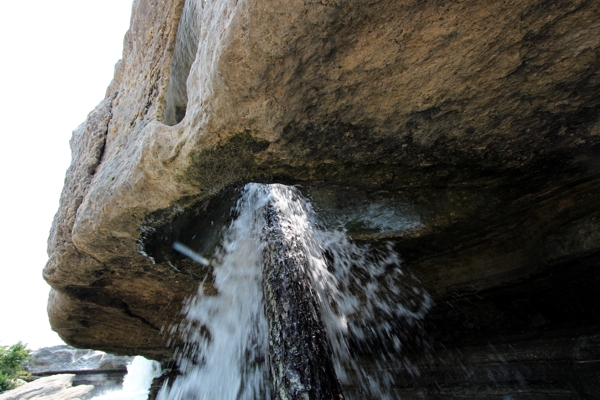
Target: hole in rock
{"points": [[294, 305], [535, 334], [197, 225], [186, 45]]}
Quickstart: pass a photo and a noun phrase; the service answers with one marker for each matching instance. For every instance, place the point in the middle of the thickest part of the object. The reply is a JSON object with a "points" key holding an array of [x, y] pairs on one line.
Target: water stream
{"points": [[136, 383], [366, 302]]}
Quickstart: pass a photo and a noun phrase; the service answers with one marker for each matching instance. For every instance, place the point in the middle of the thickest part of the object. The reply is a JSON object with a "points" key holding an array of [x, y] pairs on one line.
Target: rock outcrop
{"points": [[66, 359], [55, 387], [94, 370], [466, 132]]}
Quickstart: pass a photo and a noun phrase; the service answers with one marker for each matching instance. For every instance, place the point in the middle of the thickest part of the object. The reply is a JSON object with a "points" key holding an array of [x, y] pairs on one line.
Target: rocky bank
{"points": [[90, 367], [53, 387], [62, 372], [466, 132]]}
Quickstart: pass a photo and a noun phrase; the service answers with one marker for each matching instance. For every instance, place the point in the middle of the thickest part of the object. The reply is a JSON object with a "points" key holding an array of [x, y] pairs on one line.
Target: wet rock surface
{"points": [[300, 356], [467, 133]]}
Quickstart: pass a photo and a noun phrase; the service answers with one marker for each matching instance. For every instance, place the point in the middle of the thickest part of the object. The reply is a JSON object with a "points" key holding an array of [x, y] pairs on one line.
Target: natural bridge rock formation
{"points": [[466, 132]]}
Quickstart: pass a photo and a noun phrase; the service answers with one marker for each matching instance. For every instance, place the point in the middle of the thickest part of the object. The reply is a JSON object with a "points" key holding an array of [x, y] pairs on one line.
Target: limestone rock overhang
{"points": [[466, 132]]}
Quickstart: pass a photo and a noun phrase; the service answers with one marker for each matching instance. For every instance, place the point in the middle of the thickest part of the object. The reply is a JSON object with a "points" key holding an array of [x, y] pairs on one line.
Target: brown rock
{"points": [[467, 132]]}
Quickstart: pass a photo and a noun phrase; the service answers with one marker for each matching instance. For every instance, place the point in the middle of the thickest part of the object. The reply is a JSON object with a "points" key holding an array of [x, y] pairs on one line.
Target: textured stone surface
{"points": [[55, 387], [60, 359], [300, 358], [466, 132], [91, 368]]}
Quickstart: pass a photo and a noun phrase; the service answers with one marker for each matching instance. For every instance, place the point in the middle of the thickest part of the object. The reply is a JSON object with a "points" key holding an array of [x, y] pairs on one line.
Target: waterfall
{"points": [[365, 302], [225, 334], [136, 383]]}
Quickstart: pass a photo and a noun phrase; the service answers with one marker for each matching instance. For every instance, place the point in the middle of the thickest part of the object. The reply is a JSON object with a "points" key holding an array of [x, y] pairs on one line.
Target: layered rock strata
{"points": [[88, 367], [466, 132]]}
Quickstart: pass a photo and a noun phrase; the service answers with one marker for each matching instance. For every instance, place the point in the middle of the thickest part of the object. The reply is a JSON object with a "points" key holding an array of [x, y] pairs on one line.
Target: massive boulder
{"points": [[467, 133]]}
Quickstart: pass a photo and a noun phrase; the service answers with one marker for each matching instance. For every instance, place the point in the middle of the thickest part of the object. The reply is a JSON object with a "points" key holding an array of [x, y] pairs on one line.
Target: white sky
{"points": [[57, 58]]}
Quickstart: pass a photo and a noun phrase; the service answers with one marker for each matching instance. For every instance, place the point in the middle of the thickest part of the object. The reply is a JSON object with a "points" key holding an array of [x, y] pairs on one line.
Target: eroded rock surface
{"points": [[89, 368], [466, 132], [57, 359], [55, 387]]}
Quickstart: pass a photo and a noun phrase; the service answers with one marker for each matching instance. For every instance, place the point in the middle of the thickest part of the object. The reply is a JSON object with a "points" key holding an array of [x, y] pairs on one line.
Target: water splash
{"points": [[226, 358], [136, 384], [366, 305]]}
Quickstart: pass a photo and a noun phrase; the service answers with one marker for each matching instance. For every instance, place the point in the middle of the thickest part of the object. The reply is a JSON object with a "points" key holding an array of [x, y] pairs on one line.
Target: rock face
{"points": [[466, 132], [300, 357], [57, 359], [89, 368], [55, 387]]}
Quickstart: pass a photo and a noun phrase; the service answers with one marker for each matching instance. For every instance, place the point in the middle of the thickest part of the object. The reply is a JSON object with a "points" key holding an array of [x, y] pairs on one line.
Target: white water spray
{"points": [[364, 300], [136, 384], [226, 358]]}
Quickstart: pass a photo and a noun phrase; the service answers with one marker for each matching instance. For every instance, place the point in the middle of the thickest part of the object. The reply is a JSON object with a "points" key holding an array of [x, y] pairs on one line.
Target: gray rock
{"points": [[55, 387], [62, 359], [96, 369]]}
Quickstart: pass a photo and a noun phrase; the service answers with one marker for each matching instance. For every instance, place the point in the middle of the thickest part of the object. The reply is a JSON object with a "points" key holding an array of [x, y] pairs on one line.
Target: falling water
{"points": [[365, 302], [226, 358], [136, 383]]}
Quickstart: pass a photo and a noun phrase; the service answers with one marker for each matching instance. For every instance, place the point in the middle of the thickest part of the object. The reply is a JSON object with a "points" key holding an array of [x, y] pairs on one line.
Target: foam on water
{"points": [[365, 301]]}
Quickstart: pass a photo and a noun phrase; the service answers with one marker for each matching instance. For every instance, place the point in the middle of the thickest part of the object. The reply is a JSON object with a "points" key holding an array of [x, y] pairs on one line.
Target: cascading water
{"points": [[136, 383], [226, 357], [364, 302]]}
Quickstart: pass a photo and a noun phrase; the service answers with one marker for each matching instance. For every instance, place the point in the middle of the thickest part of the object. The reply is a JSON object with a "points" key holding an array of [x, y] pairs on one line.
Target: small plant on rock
{"points": [[12, 362]]}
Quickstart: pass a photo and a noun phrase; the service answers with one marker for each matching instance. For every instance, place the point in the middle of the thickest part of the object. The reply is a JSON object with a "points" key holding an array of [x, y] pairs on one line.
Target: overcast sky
{"points": [[57, 59]]}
